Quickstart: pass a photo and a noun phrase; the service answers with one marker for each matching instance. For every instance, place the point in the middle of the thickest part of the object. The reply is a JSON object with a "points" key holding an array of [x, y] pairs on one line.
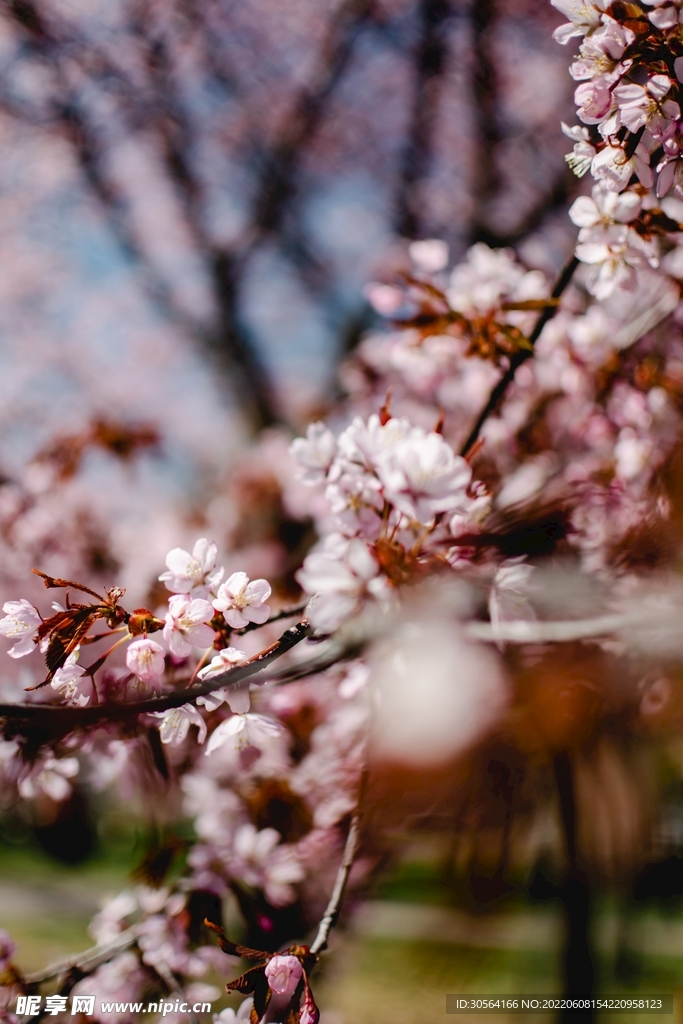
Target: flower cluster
{"points": [[629, 69], [398, 496], [190, 623]]}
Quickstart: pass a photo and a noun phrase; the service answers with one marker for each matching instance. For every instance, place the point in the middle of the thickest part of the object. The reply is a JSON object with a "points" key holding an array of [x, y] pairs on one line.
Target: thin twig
{"points": [[520, 357], [331, 914], [524, 632], [88, 959]]}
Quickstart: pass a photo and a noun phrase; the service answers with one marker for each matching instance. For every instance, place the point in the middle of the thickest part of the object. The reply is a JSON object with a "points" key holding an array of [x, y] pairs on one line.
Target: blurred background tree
{"points": [[256, 162]]}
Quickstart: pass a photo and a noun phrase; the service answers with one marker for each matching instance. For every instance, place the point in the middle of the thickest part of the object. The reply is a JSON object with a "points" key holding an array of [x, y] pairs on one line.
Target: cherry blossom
{"points": [[283, 974], [49, 775], [593, 101], [429, 255], [641, 105], [145, 658], [584, 17], [614, 254], [487, 277], [175, 724], [185, 626], [66, 681], [261, 860], [21, 622], [422, 476], [601, 52], [605, 208], [314, 453], [339, 575], [612, 167], [581, 157], [243, 601], [192, 573], [243, 729]]}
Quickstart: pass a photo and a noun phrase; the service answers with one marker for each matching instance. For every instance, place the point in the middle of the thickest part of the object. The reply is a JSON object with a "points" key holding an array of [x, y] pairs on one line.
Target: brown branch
{"points": [[520, 357], [59, 719], [333, 909]]}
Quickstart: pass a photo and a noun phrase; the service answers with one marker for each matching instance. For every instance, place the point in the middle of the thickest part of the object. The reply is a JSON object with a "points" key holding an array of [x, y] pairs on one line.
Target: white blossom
{"points": [[242, 601], [314, 453], [145, 658], [614, 253], [176, 722], [584, 17], [615, 169], [236, 697], [50, 776], [339, 575], [185, 626], [243, 729], [422, 476], [192, 573], [604, 208], [20, 622], [66, 681]]}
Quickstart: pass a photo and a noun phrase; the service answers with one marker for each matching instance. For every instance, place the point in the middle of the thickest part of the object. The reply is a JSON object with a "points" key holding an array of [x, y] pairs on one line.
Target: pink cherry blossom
{"points": [[283, 974], [192, 573], [429, 255], [593, 100], [422, 476], [145, 659], [339, 575], [242, 601], [49, 775], [186, 624], [175, 724], [66, 681], [314, 453], [584, 17]]}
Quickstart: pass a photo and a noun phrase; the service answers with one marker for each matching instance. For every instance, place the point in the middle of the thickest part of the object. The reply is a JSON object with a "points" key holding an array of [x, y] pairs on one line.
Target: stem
{"points": [[333, 909], [520, 357]]}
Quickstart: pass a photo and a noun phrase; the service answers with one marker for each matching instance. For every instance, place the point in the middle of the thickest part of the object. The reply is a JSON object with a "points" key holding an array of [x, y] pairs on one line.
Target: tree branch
{"points": [[524, 632], [520, 357], [333, 909], [58, 719], [88, 960]]}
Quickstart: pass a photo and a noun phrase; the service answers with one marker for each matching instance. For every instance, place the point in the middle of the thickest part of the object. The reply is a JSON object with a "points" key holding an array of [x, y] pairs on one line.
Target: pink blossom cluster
{"points": [[629, 70]]}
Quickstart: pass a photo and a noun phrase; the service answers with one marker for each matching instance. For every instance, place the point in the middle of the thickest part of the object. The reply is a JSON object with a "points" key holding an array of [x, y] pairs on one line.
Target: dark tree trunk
{"points": [[575, 896]]}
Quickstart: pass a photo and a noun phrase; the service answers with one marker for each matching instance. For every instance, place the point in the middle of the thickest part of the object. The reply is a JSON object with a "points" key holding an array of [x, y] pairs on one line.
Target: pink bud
{"points": [[283, 974], [309, 1012]]}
